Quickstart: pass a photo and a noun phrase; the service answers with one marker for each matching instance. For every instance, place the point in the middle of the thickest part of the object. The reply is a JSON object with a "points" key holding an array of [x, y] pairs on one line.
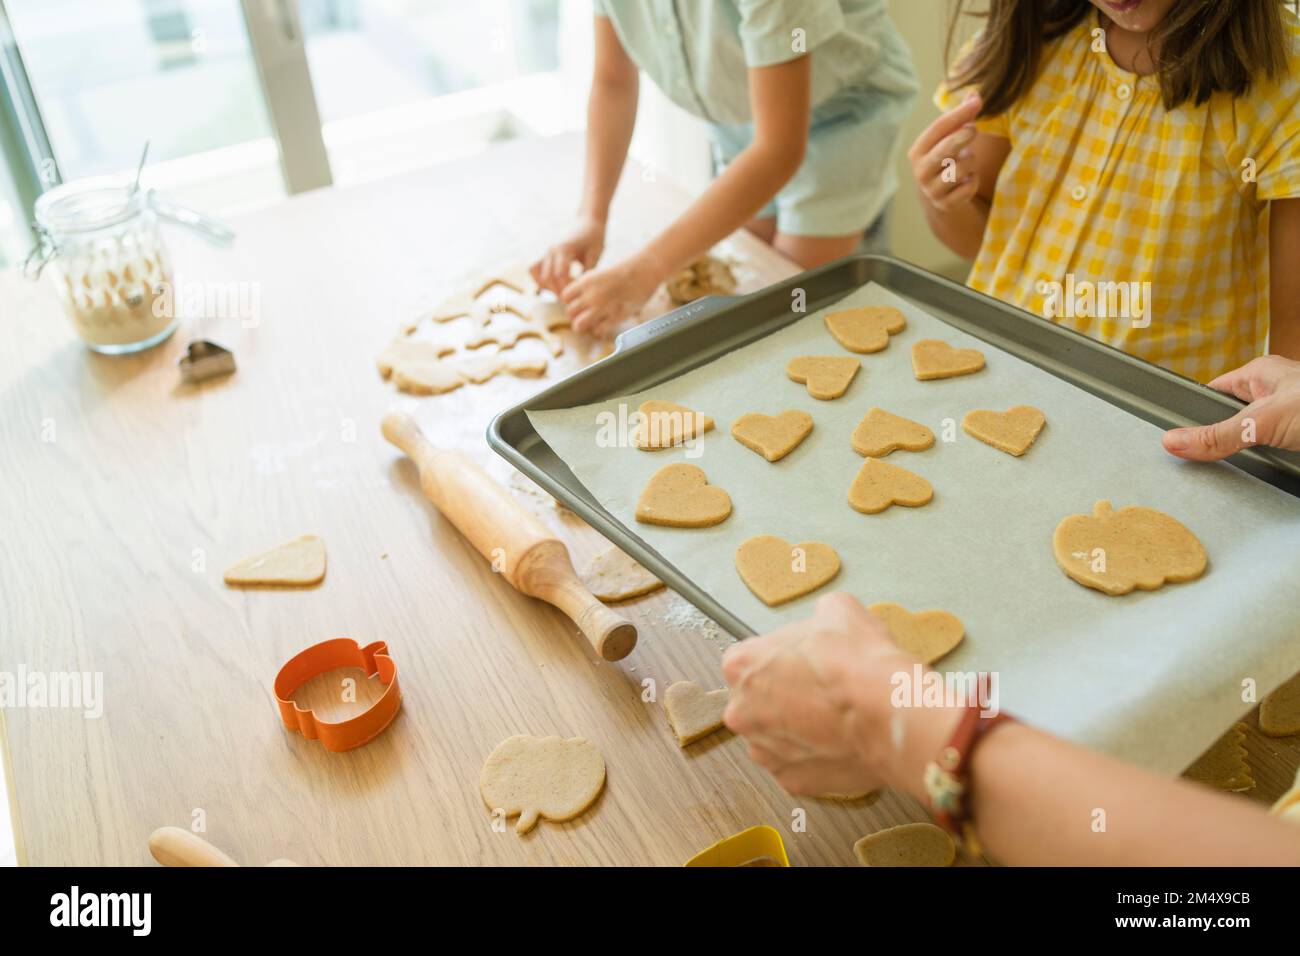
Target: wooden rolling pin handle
{"points": [[532, 559], [546, 572], [172, 846]]}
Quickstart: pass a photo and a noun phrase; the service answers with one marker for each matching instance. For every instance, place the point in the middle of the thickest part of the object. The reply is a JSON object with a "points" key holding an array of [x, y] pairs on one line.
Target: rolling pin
{"points": [[508, 535], [172, 846]]}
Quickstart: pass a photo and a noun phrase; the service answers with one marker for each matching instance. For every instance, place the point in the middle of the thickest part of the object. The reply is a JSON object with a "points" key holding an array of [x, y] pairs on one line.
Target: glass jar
{"points": [[102, 245]]}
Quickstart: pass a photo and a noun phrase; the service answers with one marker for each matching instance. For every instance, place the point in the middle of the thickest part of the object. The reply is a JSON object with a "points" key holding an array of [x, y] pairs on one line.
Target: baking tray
{"points": [[702, 331]]}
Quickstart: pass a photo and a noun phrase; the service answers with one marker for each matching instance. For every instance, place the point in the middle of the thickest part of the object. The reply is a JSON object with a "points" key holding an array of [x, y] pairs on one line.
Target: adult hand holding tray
{"points": [[1151, 677]]}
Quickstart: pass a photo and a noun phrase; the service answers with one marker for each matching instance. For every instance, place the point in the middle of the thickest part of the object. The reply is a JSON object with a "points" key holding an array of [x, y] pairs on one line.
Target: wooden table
{"points": [[126, 495]]}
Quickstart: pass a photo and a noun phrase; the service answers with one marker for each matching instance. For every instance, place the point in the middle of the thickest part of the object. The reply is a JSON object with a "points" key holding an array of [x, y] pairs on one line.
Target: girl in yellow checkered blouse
{"points": [[1130, 169]]}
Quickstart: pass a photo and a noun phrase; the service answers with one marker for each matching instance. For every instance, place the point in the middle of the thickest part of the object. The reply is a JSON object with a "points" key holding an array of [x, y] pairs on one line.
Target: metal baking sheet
{"points": [[1150, 677]]}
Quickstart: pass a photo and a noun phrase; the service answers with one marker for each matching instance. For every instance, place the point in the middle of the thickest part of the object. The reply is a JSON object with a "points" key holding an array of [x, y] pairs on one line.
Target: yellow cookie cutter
{"points": [[758, 846]]}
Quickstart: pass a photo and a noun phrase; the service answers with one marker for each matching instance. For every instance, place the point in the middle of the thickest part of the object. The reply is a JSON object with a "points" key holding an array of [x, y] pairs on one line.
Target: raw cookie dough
{"points": [[865, 329], [549, 777], [427, 378], [827, 376], [1224, 765], [1012, 431], [502, 310], [772, 436], [665, 424], [1279, 712], [505, 289], [777, 571], [707, 275], [932, 358], [928, 635], [680, 496], [1117, 551], [880, 484], [881, 432], [299, 563], [692, 713], [912, 844], [614, 576]]}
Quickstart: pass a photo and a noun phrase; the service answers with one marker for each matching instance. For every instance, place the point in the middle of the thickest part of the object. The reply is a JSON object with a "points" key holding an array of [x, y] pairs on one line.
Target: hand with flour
{"points": [[813, 699], [1271, 386]]}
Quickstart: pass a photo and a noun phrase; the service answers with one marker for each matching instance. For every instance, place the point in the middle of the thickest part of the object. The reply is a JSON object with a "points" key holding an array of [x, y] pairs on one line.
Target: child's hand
{"points": [[813, 700], [597, 301], [553, 271], [942, 159], [1272, 387]]}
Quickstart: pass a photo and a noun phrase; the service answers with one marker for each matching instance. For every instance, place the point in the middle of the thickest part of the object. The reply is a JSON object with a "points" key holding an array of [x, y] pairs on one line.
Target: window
{"points": [[239, 97], [108, 75]]}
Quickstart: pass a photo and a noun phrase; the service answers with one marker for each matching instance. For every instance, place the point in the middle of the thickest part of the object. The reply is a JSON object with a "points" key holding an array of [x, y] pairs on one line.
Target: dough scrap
{"points": [[777, 571], [880, 484], [614, 576], [1224, 765], [1279, 712], [547, 777], [827, 376], [680, 496], [692, 712], [502, 310], [912, 844], [772, 436], [881, 432], [1118, 551], [865, 329], [297, 563], [707, 275], [929, 635], [427, 378], [506, 335], [405, 350], [1012, 431], [932, 358], [867, 797]]}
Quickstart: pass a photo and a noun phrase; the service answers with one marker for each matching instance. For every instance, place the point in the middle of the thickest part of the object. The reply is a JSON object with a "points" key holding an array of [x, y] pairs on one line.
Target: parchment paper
{"points": [[1151, 677]]}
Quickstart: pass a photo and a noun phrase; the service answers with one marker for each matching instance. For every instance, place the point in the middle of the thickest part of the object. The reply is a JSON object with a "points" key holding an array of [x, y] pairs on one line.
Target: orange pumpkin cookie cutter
{"points": [[333, 655]]}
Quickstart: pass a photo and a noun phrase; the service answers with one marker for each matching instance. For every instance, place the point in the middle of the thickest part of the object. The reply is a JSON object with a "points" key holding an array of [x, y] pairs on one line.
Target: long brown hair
{"points": [[1202, 47]]}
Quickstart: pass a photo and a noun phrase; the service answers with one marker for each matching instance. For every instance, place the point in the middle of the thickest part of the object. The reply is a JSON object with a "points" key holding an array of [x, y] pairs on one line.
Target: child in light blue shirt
{"points": [[804, 100]]}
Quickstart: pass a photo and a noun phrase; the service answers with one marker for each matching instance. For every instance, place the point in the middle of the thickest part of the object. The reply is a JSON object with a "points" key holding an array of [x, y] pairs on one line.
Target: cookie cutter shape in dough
{"points": [[332, 655]]}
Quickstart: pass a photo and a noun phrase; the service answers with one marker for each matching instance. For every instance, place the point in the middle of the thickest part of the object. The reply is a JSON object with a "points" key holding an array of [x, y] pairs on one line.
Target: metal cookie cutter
{"points": [[204, 360], [328, 656], [757, 846]]}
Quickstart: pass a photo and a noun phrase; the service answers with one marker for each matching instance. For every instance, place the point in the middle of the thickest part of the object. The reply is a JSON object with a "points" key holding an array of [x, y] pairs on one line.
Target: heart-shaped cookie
{"points": [[692, 712], [663, 424], [1012, 431], [827, 376], [680, 496], [772, 436], [880, 484], [866, 329], [928, 635], [778, 571], [300, 563], [932, 359], [882, 432], [1279, 712]]}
